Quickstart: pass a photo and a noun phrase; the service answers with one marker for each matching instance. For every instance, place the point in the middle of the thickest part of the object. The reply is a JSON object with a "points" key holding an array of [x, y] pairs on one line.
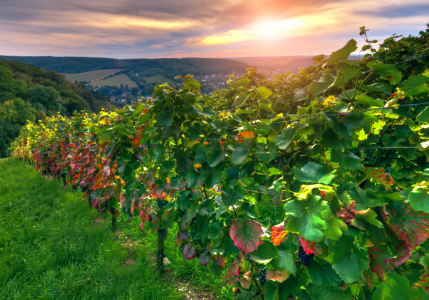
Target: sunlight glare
{"points": [[275, 29]]}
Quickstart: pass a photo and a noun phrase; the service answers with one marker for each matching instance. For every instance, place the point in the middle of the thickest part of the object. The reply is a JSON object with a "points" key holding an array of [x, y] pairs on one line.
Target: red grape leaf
{"points": [[379, 176], [246, 280], [279, 276], [189, 251], [310, 247], [231, 276], [246, 234], [205, 258], [382, 257], [409, 225]]}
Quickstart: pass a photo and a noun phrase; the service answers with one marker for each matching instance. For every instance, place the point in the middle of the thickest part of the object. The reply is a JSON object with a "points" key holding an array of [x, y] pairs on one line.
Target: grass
{"points": [[159, 79], [116, 80], [92, 75], [52, 246]]}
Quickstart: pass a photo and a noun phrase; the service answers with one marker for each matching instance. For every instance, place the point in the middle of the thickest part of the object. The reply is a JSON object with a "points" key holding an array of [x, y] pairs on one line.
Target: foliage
{"points": [[315, 143]]}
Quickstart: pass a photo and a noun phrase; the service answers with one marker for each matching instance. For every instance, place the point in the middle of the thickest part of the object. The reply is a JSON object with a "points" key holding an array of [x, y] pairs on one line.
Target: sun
{"points": [[268, 30]]}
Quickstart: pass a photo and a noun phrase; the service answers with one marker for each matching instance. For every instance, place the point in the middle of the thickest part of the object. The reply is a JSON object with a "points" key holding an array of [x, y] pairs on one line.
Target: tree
{"points": [[47, 96], [9, 85], [17, 111]]}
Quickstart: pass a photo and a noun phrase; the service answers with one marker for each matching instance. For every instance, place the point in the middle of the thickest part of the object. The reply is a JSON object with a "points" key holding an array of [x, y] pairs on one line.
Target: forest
{"points": [[29, 93]]}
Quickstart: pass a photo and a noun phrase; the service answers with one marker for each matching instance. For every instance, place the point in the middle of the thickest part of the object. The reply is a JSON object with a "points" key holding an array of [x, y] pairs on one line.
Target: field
{"points": [[159, 79], [116, 80], [52, 246], [269, 73], [92, 75]]}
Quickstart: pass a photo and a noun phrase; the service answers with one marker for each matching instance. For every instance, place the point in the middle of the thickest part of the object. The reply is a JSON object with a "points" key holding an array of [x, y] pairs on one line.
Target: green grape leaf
{"points": [[313, 172], [346, 159], [327, 192], [265, 253], [271, 291], [368, 216], [320, 292], [165, 117], [266, 106], [423, 117], [325, 82], [308, 218], [323, 274], [243, 80], [398, 287], [240, 100], [345, 73], [415, 85], [347, 260], [377, 87], [239, 154], [214, 154], [335, 228], [286, 260], [194, 132], [343, 53], [264, 92], [284, 140], [419, 199], [387, 71], [214, 230], [230, 248], [363, 199]]}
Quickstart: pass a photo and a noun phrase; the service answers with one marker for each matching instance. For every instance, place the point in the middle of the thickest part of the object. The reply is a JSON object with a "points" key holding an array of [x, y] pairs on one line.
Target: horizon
{"points": [[131, 29]]}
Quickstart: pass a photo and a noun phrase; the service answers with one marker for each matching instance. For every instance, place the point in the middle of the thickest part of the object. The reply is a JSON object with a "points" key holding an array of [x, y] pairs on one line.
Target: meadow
{"points": [[52, 246], [160, 79], [91, 75], [116, 80]]}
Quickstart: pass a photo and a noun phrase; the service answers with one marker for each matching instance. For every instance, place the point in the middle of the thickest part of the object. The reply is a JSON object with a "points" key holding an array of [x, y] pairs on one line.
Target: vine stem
{"points": [[205, 192], [299, 150], [261, 291]]}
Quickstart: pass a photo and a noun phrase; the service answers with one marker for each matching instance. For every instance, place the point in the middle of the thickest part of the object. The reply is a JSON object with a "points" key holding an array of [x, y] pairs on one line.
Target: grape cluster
{"points": [[305, 259], [161, 203], [263, 276]]}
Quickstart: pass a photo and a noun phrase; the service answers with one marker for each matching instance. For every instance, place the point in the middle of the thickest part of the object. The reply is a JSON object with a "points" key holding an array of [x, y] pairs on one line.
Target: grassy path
{"points": [[52, 246]]}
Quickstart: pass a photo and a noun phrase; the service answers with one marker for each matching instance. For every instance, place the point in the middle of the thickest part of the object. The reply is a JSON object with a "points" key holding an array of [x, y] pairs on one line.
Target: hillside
{"points": [[168, 67], [30, 93]]}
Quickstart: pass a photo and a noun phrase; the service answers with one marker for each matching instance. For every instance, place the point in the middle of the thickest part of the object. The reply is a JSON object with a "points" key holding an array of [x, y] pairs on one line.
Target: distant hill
{"points": [[148, 66], [142, 73]]}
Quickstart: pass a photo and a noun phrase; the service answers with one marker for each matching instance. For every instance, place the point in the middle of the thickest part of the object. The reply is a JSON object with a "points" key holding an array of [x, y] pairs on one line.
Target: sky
{"points": [[199, 28]]}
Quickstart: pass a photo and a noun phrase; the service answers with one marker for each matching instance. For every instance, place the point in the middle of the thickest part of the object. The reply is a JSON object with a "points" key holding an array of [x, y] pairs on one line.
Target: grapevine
{"points": [[342, 147]]}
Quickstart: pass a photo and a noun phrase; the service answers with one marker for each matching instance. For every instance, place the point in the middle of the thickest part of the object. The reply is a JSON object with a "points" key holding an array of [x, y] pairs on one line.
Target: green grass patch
{"points": [[92, 75], [52, 246], [116, 80], [159, 79]]}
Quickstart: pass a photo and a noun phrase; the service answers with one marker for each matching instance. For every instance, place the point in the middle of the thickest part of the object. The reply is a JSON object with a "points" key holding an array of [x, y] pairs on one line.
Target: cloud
{"points": [[146, 28], [398, 11]]}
